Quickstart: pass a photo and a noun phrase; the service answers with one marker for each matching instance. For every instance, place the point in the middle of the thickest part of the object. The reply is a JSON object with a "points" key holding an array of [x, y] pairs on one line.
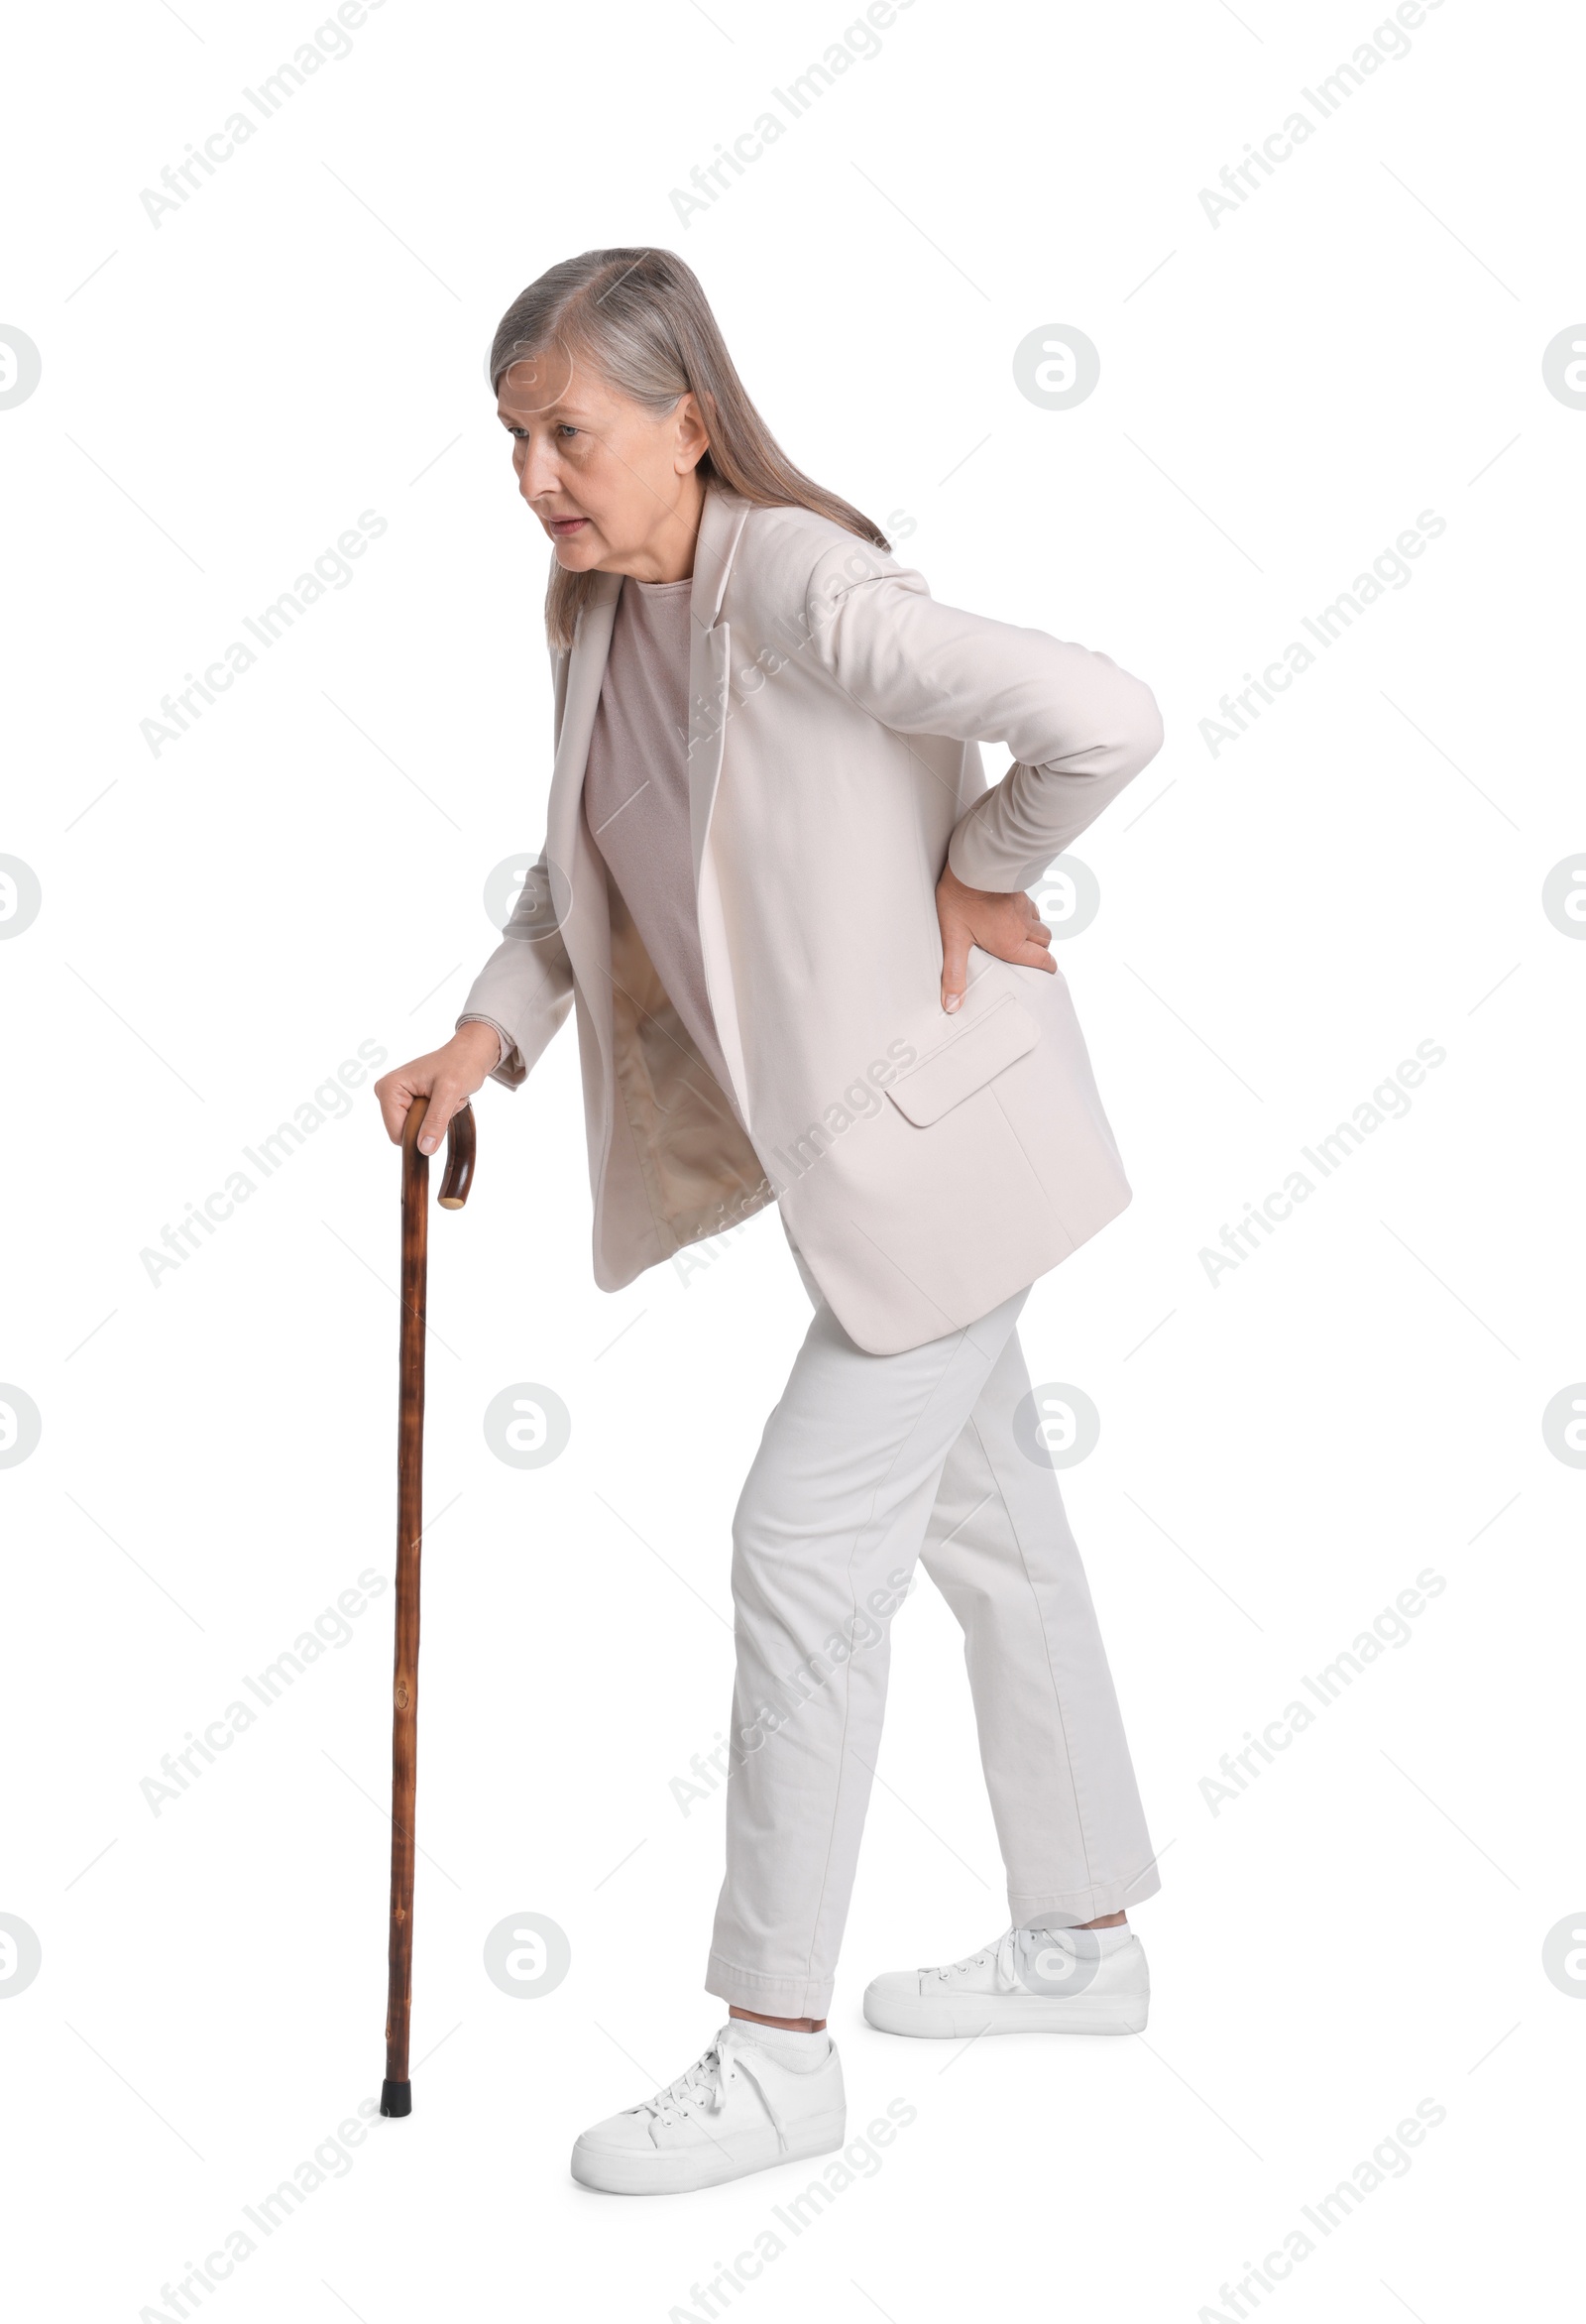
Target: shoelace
{"points": [[1002, 1955], [705, 2086], [1005, 1957]]}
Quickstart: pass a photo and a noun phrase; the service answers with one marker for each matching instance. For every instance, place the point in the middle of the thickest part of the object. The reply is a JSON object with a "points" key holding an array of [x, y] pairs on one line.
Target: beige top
{"points": [[636, 800]]}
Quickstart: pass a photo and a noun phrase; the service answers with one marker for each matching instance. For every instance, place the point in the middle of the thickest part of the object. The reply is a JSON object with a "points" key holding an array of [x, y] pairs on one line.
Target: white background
{"points": [[1280, 1454]]}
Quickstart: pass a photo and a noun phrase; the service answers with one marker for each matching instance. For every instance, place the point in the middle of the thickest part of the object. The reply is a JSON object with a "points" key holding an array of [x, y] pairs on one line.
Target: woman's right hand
{"points": [[447, 1077]]}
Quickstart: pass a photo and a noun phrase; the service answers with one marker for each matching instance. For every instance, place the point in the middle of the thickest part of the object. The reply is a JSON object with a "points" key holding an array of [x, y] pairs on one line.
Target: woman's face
{"points": [[614, 487]]}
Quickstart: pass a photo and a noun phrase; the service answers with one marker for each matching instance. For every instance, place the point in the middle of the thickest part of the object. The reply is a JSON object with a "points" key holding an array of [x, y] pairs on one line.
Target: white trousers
{"points": [[868, 1463]]}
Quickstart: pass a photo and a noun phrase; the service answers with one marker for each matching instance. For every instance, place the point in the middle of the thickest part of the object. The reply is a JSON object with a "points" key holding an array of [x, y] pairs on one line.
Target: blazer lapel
{"points": [[720, 522], [710, 669], [577, 883], [579, 693]]}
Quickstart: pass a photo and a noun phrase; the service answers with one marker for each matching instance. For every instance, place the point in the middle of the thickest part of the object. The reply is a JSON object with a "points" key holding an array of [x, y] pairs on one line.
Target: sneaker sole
{"points": [[679, 2170], [953, 2018]]}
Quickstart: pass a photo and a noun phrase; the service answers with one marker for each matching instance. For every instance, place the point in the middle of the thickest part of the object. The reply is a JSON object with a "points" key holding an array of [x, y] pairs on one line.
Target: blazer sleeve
{"points": [[1078, 727], [525, 988]]}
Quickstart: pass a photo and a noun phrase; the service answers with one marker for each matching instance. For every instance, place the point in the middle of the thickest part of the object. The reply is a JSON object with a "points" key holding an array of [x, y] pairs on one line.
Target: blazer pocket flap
{"points": [[965, 1062]]}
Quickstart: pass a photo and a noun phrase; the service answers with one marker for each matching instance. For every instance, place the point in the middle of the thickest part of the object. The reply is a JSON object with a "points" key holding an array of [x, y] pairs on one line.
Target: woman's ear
{"points": [[692, 438]]}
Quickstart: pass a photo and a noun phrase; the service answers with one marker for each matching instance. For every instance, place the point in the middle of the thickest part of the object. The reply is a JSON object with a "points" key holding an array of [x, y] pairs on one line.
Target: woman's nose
{"points": [[535, 472]]}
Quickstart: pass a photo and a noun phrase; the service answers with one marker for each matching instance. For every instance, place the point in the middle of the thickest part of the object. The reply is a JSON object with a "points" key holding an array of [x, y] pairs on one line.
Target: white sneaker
{"points": [[1028, 1981], [735, 2110]]}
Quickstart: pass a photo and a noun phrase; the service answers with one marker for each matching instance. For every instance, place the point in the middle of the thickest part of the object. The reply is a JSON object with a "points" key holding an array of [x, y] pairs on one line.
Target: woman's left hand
{"points": [[1007, 926]]}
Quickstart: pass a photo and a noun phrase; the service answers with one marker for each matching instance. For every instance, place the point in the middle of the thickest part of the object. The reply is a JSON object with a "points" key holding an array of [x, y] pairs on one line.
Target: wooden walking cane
{"points": [[396, 2092]]}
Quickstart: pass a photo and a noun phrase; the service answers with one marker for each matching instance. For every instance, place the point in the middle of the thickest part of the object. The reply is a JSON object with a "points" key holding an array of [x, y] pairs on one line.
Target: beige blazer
{"points": [[928, 1166]]}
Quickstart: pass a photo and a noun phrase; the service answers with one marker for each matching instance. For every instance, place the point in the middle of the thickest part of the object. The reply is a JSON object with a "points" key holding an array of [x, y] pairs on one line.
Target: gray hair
{"points": [[643, 321]]}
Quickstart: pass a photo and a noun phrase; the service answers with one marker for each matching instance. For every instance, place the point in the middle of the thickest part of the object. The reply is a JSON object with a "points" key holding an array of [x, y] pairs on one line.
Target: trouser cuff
{"points": [[768, 1996], [1071, 1908]]}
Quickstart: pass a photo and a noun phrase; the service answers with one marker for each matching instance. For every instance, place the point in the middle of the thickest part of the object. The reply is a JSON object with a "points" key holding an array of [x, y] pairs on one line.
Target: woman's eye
{"points": [[567, 429]]}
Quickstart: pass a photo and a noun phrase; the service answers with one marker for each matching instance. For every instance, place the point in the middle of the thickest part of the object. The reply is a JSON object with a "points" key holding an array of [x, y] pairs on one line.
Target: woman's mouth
{"points": [[565, 526]]}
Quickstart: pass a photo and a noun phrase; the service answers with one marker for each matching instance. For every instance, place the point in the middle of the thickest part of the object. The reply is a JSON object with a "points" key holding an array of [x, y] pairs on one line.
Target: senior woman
{"points": [[791, 920]]}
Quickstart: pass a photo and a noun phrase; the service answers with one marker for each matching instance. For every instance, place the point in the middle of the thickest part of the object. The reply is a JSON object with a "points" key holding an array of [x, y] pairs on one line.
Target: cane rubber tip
{"points": [[397, 2098]]}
